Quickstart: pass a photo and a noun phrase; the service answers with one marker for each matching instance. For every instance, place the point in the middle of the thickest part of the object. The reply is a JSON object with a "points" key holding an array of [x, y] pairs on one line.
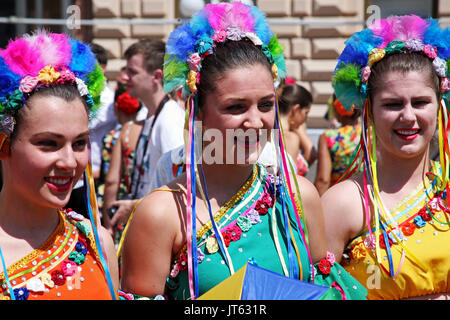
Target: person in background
{"points": [[50, 85], [105, 118], [126, 109], [162, 131], [294, 103], [103, 121], [336, 148]]}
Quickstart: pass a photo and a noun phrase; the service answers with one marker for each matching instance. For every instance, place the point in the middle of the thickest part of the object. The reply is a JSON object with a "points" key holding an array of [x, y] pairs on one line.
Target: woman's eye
{"points": [[420, 103], [47, 143], [266, 105], [80, 144], [235, 107], [392, 105]]}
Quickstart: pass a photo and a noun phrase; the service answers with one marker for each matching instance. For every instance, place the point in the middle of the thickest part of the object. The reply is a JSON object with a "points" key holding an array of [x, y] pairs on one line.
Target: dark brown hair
{"points": [[292, 94], [227, 56], [67, 92], [153, 51], [403, 62]]}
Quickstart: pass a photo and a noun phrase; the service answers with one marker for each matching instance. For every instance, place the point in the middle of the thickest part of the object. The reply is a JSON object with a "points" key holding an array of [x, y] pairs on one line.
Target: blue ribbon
{"points": [[216, 231], [194, 220], [388, 249], [102, 259], [11, 290], [293, 272]]}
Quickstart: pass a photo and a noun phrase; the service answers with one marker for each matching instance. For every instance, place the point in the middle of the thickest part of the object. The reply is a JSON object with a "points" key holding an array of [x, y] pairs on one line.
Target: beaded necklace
{"points": [[71, 252]]}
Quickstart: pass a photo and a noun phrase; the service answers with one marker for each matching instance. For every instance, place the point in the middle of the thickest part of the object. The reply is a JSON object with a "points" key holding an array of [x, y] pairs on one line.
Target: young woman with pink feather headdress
{"points": [[50, 86], [201, 228], [390, 225]]}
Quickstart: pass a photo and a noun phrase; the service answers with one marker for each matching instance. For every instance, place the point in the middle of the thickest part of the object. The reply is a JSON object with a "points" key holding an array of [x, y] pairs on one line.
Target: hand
{"points": [[123, 212]]}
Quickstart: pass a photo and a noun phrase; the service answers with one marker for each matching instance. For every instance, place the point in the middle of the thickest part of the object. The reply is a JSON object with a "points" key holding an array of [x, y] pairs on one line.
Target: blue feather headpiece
{"points": [[395, 34], [188, 44]]}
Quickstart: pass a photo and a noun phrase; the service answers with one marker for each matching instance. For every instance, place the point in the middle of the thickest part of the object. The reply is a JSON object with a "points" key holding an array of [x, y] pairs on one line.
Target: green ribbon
{"points": [[14, 102], [265, 49], [395, 46]]}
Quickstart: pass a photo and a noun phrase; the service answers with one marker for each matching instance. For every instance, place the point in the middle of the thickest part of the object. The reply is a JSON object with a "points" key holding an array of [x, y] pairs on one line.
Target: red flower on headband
{"points": [[127, 104]]}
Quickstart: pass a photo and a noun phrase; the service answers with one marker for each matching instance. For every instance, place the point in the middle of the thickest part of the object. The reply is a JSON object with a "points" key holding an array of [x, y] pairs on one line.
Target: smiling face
{"points": [[405, 113], [240, 108], [49, 151]]}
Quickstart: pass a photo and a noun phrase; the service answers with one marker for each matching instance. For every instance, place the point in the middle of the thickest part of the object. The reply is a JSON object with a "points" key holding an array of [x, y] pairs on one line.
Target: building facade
{"points": [[312, 32]]}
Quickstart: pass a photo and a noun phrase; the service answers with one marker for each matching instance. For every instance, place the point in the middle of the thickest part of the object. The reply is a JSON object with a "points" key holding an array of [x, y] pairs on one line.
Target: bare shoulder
{"points": [[161, 212], [154, 235], [308, 191], [343, 208], [312, 209], [344, 195], [157, 209]]}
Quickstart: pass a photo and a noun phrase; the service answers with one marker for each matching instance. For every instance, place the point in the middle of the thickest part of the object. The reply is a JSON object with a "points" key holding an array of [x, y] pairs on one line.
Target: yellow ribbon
{"points": [[191, 81]]}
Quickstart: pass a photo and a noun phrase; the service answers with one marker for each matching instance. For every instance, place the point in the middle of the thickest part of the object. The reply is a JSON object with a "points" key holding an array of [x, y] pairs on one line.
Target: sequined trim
{"points": [[226, 207], [42, 259]]}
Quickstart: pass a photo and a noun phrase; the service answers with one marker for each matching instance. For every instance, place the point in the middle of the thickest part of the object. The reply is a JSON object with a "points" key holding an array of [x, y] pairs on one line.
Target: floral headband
{"points": [[190, 43], [396, 34], [42, 60]]}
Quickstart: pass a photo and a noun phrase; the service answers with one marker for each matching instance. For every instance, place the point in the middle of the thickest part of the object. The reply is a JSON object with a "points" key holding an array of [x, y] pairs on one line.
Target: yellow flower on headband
{"points": [[274, 71], [191, 81], [376, 55], [48, 75]]}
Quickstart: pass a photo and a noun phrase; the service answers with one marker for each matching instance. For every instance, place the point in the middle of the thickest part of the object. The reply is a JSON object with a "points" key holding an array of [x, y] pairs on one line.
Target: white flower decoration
{"points": [[35, 285], [254, 38], [235, 33], [440, 66], [81, 86]]}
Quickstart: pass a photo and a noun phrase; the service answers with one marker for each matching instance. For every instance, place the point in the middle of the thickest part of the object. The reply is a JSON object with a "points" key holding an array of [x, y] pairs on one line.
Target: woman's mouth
{"points": [[247, 142], [407, 134], [59, 184]]}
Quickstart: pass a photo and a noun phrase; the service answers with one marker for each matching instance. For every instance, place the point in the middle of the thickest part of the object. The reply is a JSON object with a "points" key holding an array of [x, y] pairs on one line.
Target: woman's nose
{"points": [[407, 114], [253, 119], [67, 158]]}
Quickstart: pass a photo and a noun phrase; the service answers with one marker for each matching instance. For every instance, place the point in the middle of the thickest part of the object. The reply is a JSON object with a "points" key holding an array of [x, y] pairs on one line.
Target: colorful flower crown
{"points": [[190, 43], [41, 60], [395, 34]]}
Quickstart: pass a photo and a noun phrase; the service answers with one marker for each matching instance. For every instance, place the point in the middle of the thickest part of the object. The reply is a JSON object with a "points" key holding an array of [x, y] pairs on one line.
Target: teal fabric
{"points": [[256, 245]]}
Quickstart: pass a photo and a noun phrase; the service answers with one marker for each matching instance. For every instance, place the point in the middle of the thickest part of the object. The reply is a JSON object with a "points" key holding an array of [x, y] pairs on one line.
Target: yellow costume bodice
{"points": [[425, 266]]}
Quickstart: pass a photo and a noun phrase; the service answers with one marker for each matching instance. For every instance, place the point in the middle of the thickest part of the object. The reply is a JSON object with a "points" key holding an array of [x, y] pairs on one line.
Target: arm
{"points": [[112, 179], [148, 246], [344, 215], [314, 218], [110, 251], [323, 173], [292, 144], [309, 151]]}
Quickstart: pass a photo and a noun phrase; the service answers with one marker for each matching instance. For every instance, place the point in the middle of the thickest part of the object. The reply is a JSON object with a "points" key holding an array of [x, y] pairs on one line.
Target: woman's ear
{"points": [[296, 107], [294, 110]]}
